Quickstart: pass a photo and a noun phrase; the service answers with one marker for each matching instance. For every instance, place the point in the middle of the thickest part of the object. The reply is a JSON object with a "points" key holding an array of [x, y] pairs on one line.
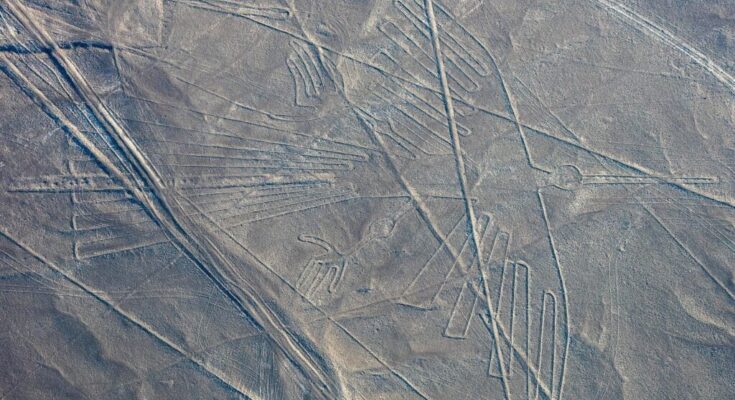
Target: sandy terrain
{"points": [[367, 199]]}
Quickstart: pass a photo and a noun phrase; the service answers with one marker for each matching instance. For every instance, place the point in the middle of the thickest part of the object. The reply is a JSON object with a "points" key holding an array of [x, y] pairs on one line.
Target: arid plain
{"points": [[367, 199]]}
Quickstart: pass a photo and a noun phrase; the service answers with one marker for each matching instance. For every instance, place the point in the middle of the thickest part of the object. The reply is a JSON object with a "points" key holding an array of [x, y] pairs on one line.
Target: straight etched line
{"points": [[688, 252], [329, 317], [459, 159], [96, 294], [206, 256], [555, 253], [647, 26]]}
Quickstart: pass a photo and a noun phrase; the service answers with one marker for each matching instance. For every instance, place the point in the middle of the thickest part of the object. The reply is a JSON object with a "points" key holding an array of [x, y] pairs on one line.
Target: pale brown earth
{"points": [[343, 199]]}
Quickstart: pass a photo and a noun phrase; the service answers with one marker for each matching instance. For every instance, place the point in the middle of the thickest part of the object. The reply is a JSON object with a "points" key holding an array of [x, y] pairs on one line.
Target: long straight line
{"points": [[163, 210], [459, 161], [148, 329], [452, 122]]}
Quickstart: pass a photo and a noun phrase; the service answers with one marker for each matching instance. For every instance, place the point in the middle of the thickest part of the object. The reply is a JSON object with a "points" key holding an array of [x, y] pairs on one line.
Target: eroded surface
{"points": [[394, 199]]}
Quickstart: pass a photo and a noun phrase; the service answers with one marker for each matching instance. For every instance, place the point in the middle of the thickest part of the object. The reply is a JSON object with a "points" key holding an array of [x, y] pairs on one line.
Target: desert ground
{"points": [[367, 199]]}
